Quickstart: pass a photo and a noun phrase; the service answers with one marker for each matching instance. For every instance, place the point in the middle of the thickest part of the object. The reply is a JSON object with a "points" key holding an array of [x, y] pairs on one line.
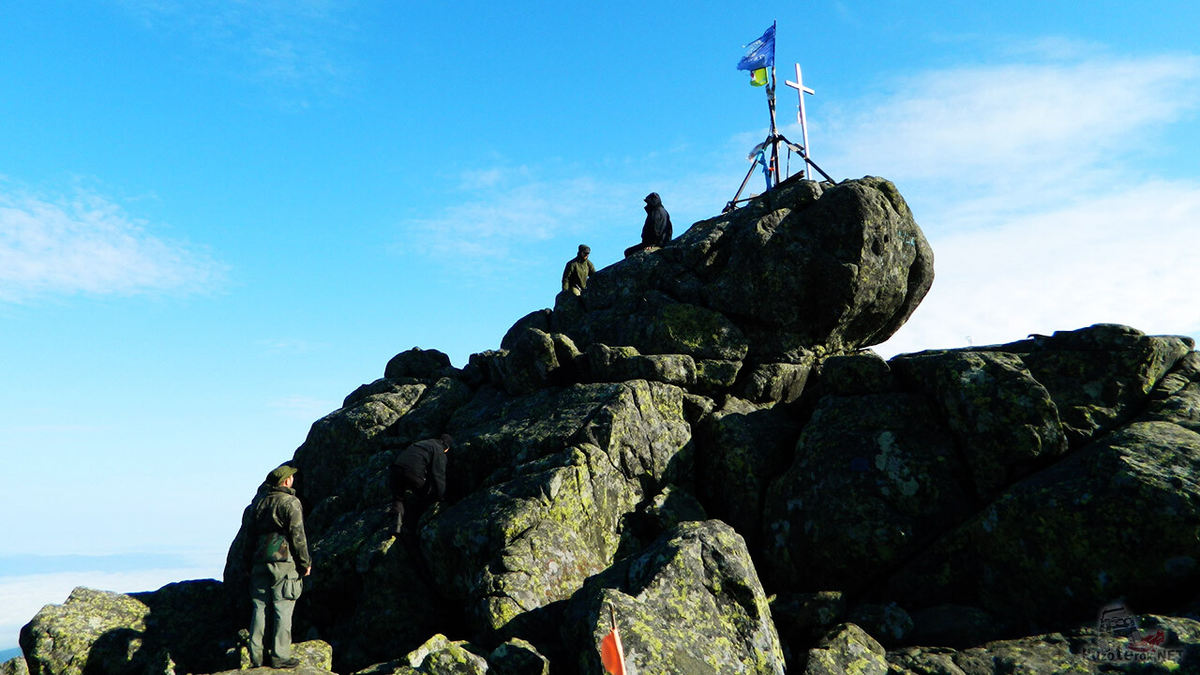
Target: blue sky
{"points": [[217, 218]]}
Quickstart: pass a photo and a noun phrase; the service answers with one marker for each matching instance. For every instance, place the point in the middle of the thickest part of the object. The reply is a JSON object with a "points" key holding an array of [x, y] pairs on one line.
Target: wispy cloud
{"points": [[291, 46], [1000, 140], [86, 244], [1126, 257], [500, 212], [1030, 181]]}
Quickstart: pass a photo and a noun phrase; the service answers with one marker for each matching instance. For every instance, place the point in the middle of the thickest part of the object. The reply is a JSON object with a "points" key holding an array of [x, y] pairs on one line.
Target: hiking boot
{"points": [[287, 663]]}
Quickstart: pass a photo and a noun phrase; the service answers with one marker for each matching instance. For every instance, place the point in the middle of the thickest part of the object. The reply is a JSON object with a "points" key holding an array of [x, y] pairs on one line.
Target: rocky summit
{"points": [[703, 447]]}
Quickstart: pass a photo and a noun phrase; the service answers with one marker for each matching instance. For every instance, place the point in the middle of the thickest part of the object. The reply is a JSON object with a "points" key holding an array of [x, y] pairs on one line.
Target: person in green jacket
{"points": [[275, 551], [578, 270]]}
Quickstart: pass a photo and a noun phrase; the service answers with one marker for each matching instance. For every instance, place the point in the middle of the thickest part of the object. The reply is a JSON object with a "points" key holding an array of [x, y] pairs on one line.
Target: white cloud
{"points": [[1028, 181], [501, 214], [993, 142], [1127, 258], [1048, 119], [89, 245], [21, 597]]}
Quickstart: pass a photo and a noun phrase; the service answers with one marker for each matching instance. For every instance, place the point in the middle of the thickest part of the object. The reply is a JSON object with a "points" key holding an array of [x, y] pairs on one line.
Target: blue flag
{"points": [[762, 52]]}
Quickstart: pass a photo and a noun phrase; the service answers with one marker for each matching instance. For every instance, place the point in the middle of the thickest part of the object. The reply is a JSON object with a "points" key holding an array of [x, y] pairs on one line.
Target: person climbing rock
{"points": [[578, 269], [417, 478], [656, 232], [275, 550]]}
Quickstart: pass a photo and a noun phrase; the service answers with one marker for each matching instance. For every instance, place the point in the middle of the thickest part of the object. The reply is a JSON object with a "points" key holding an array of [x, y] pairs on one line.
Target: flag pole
{"points": [[774, 169], [774, 136]]}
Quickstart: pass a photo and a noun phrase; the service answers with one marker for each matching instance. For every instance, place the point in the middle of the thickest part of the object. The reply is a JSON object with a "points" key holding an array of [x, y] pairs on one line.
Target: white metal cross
{"points": [[801, 90]]}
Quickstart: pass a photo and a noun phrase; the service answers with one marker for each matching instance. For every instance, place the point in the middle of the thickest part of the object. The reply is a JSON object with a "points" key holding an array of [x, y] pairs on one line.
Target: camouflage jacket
{"points": [[274, 528]]}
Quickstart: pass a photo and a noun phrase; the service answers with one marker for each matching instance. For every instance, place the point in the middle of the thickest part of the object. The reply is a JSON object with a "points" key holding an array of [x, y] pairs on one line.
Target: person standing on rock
{"points": [[417, 478], [656, 232], [578, 270], [276, 553]]}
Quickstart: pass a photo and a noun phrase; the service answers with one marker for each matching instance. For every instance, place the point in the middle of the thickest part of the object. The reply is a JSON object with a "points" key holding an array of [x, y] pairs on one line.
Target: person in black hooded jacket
{"points": [[418, 477], [656, 232]]}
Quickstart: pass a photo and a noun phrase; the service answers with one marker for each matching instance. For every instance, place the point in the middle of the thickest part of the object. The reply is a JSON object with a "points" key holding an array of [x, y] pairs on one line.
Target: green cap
{"points": [[276, 477]]}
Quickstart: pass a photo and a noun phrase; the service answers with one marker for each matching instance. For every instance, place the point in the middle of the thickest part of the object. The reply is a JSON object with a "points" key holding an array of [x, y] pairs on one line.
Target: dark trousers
{"points": [[410, 493]]}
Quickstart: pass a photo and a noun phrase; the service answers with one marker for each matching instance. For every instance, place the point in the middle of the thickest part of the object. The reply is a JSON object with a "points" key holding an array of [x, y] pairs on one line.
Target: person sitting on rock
{"points": [[578, 270], [656, 232], [417, 478], [275, 550]]}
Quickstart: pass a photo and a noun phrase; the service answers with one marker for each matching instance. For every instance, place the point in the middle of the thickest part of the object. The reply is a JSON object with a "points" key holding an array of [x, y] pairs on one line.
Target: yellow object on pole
{"points": [[759, 77]]}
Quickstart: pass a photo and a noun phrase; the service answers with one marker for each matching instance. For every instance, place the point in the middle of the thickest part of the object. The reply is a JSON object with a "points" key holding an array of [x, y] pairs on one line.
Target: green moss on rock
{"points": [[93, 631], [691, 602]]}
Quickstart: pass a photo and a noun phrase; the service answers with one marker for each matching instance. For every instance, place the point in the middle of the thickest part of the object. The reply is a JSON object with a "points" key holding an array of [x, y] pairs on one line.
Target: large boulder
{"points": [[92, 632], [343, 462], [897, 455], [602, 363], [876, 478], [1001, 417], [534, 361], [775, 382], [801, 267], [1099, 376], [417, 362], [349, 436], [641, 421], [552, 510], [1115, 518], [740, 449], [366, 588], [544, 488], [188, 626], [196, 622], [691, 603]]}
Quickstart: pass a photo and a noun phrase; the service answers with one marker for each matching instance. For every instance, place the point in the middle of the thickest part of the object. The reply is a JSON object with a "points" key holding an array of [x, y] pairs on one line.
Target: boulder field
{"points": [[703, 445]]}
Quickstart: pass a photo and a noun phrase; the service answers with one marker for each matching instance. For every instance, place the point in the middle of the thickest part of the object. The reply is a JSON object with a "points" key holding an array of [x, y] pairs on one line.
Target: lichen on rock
{"points": [[691, 600]]}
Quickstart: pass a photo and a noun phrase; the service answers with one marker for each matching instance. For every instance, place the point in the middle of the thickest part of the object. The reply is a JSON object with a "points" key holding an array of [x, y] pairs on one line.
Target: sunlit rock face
{"points": [[701, 449]]}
